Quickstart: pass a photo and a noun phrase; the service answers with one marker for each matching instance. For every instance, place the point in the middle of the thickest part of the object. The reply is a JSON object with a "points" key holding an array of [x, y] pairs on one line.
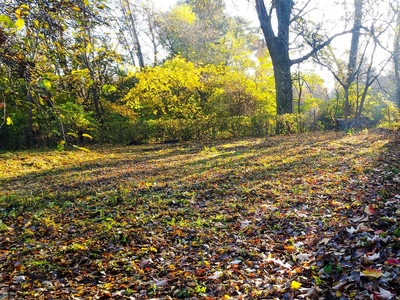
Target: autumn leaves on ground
{"points": [[305, 216]]}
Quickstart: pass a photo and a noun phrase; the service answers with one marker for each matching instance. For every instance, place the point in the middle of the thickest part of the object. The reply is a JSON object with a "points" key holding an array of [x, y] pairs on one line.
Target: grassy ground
{"points": [[303, 216]]}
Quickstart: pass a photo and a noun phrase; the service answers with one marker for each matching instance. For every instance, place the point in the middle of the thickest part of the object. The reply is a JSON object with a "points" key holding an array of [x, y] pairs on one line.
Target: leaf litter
{"points": [[311, 216]]}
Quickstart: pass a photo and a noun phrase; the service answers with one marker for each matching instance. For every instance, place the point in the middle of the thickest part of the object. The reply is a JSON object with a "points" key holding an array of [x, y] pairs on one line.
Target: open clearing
{"points": [[289, 217]]}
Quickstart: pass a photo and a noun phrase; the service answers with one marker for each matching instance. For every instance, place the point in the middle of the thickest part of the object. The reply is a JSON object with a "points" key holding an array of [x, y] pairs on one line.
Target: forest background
{"points": [[125, 71]]}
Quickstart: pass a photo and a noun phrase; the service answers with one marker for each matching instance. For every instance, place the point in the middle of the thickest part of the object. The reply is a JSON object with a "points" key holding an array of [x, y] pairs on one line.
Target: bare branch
{"points": [[319, 47]]}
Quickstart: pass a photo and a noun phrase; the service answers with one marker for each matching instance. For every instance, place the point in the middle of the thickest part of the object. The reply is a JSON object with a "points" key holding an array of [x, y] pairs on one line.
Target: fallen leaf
{"points": [[289, 248], [359, 219], [295, 285], [339, 285], [362, 227], [249, 270], [160, 282], [372, 273], [369, 209], [20, 278], [216, 275], [303, 257], [393, 262], [235, 262], [351, 230], [384, 294], [278, 262], [244, 224], [309, 292], [372, 257], [324, 241], [268, 207]]}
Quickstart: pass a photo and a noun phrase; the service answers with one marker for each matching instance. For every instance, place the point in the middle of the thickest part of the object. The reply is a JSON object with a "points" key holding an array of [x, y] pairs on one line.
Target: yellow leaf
{"points": [[81, 148], [76, 8], [295, 285], [36, 23], [372, 273], [24, 6], [88, 47], [289, 248], [72, 134], [18, 13], [87, 136], [9, 121], [20, 23]]}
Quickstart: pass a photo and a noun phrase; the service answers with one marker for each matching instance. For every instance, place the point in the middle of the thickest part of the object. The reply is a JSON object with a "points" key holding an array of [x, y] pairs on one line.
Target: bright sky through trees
{"points": [[242, 8], [327, 11]]}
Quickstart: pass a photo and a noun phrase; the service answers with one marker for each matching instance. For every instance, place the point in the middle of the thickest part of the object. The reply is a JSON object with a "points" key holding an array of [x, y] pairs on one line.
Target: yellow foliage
{"points": [[171, 89], [19, 23], [184, 13], [181, 89], [295, 285], [9, 121]]}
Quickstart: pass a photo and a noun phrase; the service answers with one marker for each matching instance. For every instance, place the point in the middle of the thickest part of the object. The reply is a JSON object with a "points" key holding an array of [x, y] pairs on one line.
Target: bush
{"points": [[294, 123], [207, 128]]}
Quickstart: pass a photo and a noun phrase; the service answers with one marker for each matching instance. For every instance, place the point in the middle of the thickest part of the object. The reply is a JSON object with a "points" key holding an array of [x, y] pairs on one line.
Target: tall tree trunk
{"points": [[353, 55], [283, 86], [396, 56], [278, 46], [29, 134], [134, 33], [152, 33]]}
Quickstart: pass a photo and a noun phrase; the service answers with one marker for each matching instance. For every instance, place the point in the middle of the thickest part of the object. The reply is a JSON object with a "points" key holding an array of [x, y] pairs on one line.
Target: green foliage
{"points": [[61, 145], [294, 123], [389, 115], [75, 118], [234, 95], [206, 128], [117, 128]]}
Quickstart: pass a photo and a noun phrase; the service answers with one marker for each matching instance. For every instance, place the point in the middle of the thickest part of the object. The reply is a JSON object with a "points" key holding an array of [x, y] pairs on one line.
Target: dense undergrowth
{"points": [[302, 216]]}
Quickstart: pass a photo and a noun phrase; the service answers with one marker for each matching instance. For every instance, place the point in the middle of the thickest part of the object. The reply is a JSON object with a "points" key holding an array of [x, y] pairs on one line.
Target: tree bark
{"points": [[352, 68], [396, 57], [278, 46], [283, 86], [29, 134], [135, 35]]}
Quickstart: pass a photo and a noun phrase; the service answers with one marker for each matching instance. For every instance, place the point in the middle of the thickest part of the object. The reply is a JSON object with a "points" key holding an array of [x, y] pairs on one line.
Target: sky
{"points": [[236, 7]]}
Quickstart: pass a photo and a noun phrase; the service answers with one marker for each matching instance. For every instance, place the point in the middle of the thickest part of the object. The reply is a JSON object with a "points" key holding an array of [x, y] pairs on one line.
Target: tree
{"points": [[195, 30], [202, 32], [396, 52], [167, 91], [35, 37], [278, 43], [130, 20], [361, 69]]}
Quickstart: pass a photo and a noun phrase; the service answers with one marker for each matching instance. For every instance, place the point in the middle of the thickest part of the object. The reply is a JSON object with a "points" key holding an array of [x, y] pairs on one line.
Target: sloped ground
{"points": [[306, 216]]}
